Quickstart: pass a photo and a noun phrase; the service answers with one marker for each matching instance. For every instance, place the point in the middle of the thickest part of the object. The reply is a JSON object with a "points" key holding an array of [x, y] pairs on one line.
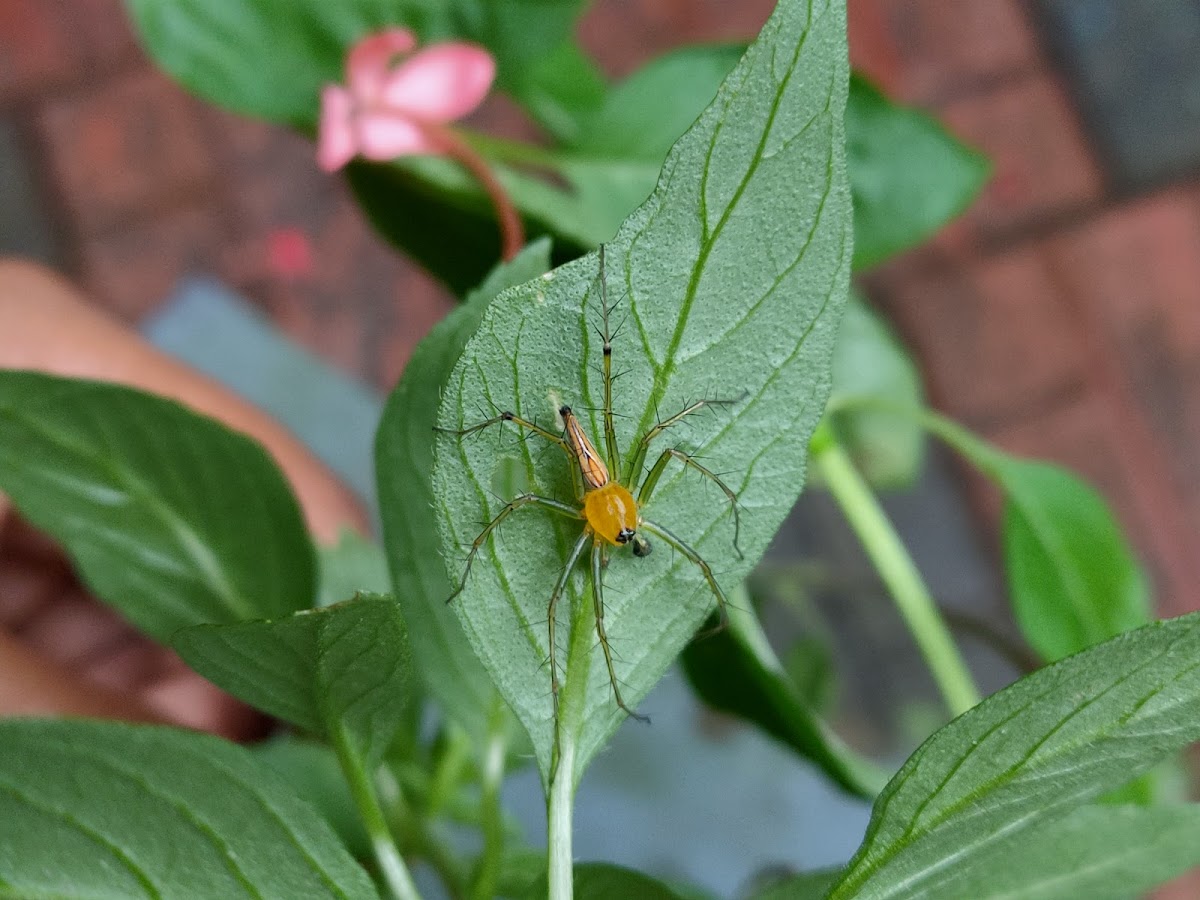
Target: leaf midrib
{"points": [[189, 541], [663, 372]]}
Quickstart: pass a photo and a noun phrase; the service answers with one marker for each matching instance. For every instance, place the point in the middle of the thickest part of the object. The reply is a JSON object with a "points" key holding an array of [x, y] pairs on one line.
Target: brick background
{"points": [[1056, 317], [133, 269], [959, 319], [947, 48], [125, 147], [1042, 166]]}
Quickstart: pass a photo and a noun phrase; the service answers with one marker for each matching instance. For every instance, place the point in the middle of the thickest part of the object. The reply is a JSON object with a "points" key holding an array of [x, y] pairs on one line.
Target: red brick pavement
{"points": [[47, 44], [126, 147], [960, 322], [943, 49]]}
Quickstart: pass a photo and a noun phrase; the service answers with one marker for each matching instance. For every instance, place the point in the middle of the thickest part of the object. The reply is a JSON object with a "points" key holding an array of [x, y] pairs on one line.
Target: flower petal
{"points": [[386, 135], [370, 61], [336, 143], [442, 82]]}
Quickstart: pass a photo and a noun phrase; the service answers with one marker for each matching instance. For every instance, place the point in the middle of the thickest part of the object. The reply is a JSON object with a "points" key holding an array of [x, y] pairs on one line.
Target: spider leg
{"points": [[533, 427], [643, 447], [656, 471], [509, 508], [683, 547], [610, 432], [559, 588], [598, 599]]}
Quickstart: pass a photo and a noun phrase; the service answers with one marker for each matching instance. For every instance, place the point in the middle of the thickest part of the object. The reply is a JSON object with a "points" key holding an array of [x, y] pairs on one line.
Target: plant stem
{"points": [[558, 834], [493, 825], [512, 231], [362, 789], [455, 755], [896, 568]]}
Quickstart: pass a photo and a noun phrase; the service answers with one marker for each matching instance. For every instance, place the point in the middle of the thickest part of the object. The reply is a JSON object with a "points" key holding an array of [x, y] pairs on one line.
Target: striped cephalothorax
{"points": [[610, 512]]}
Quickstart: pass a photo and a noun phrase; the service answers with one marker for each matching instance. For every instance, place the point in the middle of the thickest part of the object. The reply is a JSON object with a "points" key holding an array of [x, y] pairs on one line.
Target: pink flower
{"points": [[391, 108]]}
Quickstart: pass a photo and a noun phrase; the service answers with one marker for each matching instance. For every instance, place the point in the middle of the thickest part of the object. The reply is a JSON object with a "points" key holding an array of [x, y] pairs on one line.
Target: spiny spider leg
{"points": [[506, 416], [598, 600], [559, 587], [657, 469], [610, 432], [682, 546], [509, 508], [639, 455]]}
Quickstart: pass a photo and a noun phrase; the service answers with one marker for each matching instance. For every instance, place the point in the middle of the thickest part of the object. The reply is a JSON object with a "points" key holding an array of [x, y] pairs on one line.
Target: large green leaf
{"points": [[1030, 754], [562, 89], [730, 281], [342, 671], [438, 213], [403, 467], [90, 809], [269, 58], [645, 114], [735, 670], [1072, 574], [312, 770], [909, 176], [1092, 853], [168, 515]]}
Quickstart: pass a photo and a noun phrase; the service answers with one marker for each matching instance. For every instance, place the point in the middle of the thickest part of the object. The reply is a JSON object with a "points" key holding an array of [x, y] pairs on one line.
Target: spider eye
{"points": [[625, 535], [641, 547]]}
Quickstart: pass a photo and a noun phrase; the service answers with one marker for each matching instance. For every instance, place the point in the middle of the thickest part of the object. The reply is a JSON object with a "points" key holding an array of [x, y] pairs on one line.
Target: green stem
{"points": [[897, 570], [558, 836], [448, 775], [512, 230], [362, 789], [493, 824], [989, 459]]}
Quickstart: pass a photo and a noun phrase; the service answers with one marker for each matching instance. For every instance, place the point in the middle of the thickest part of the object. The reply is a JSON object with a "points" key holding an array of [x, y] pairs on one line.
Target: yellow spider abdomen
{"points": [[612, 513]]}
